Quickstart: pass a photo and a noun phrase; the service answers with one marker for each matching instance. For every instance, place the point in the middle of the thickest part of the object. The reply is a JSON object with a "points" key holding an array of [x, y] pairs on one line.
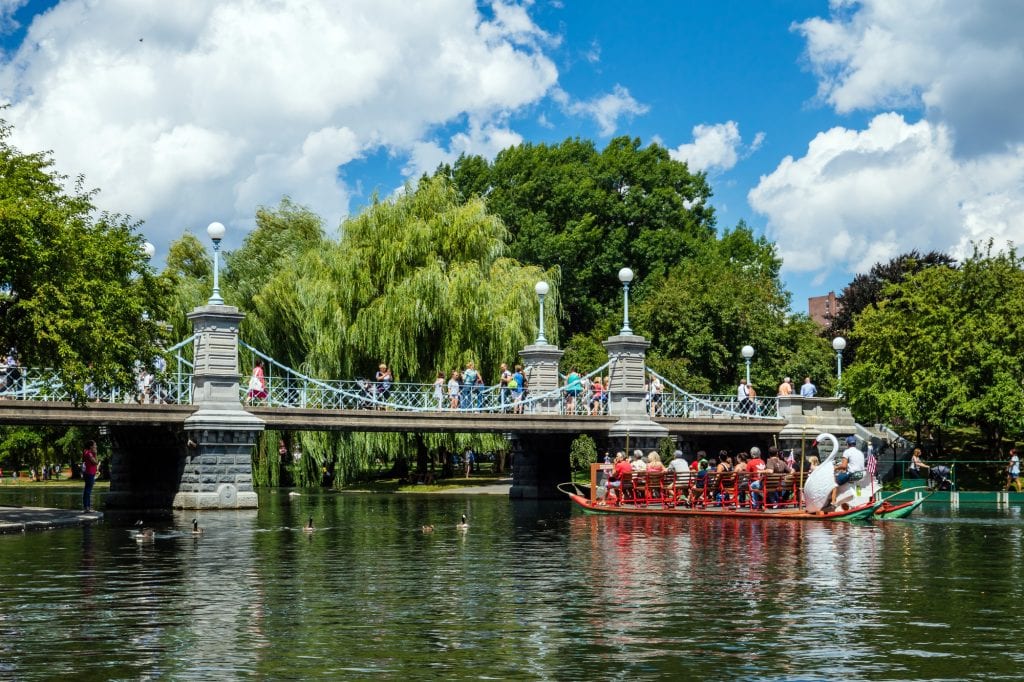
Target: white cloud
{"points": [[485, 140], [606, 110], [962, 61], [715, 147], [860, 197], [187, 112]]}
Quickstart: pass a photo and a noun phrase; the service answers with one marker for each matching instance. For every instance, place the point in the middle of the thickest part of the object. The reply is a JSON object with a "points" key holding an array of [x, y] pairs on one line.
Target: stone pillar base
{"points": [[226, 496], [218, 469], [540, 462]]}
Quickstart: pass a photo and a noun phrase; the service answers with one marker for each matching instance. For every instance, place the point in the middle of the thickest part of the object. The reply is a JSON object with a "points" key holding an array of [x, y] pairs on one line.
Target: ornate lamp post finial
{"points": [[838, 345], [541, 289], [625, 276], [216, 232], [747, 352]]}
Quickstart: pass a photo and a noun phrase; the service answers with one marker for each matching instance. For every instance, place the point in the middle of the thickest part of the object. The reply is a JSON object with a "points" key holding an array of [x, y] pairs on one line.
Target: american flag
{"points": [[872, 465]]}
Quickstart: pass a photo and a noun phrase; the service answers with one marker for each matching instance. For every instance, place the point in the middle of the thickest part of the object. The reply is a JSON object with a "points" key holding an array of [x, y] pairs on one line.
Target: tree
{"points": [[420, 282], [76, 292], [281, 234], [944, 347], [590, 213], [188, 276], [582, 453], [867, 290], [709, 306]]}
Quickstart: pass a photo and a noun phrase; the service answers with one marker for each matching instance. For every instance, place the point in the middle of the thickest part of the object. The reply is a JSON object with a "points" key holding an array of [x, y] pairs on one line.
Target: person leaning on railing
{"points": [[916, 464]]}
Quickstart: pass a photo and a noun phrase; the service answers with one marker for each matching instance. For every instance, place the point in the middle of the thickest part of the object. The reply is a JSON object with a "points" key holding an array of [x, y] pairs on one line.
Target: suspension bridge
{"points": [[184, 436]]}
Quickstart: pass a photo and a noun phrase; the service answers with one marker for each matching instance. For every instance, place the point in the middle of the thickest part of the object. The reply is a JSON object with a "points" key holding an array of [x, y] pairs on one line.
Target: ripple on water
{"points": [[369, 595]]}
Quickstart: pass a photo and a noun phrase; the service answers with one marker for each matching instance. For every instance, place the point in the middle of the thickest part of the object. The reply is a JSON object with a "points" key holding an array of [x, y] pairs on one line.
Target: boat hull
{"points": [[720, 512], [898, 511]]}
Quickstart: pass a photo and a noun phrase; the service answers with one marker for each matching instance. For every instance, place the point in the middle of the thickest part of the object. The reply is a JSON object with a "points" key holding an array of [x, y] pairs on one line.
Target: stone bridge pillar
{"points": [[540, 367], [540, 461], [627, 372], [217, 472]]}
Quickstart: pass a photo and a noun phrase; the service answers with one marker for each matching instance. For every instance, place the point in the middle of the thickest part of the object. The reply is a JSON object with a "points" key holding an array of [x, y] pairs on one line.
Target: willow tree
{"points": [[420, 282]]}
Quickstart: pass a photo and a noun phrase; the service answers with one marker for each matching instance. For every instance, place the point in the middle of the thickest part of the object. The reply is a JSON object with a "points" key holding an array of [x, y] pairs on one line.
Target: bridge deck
{"points": [[25, 413]]}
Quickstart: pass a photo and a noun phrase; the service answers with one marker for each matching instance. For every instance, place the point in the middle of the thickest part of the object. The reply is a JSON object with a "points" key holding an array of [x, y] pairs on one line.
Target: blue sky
{"points": [[847, 132]]}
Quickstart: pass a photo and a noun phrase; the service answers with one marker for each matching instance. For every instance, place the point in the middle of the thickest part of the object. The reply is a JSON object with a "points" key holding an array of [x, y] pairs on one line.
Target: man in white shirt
{"points": [[851, 467]]}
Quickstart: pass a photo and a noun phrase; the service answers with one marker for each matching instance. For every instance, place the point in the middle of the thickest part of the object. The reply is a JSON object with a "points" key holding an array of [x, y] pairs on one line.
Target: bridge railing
{"points": [[287, 387], [677, 402], [44, 385]]}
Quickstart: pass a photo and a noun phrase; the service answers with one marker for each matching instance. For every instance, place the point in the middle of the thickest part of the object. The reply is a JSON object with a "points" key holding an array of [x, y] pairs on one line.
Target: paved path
{"points": [[500, 488], [21, 519]]}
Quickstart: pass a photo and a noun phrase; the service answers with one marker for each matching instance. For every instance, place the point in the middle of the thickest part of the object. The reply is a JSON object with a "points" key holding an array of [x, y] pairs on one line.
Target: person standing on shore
{"points": [[1013, 471], [90, 465]]}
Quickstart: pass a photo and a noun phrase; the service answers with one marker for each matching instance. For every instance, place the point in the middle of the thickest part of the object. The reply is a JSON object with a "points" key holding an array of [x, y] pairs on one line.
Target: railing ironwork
{"points": [[680, 403]]}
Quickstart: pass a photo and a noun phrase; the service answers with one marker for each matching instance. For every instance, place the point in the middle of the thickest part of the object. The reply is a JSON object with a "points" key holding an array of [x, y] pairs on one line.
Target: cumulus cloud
{"points": [[715, 147], [606, 110], [952, 178], [485, 139], [962, 61], [860, 197], [187, 112]]}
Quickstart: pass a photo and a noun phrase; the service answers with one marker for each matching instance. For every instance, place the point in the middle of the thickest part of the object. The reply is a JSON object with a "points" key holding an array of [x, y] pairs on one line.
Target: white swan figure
{"points": [[818, 486]]}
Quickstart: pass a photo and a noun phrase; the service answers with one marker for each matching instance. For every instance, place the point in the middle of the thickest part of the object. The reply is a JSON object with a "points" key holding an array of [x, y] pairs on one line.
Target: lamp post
{"points": [[747, 352], [542, 289], [148, 250], [216, 232], [625, 276], [838, 345]]}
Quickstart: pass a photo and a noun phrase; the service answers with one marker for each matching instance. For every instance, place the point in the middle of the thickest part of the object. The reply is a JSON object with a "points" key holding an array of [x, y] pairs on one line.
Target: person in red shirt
{"points": [[755, 466], [619, 469], [90, 465]]}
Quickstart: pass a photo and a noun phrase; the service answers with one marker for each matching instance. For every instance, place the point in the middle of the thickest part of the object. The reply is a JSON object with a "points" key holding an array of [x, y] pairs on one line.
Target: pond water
{"points": [[529, 591]]}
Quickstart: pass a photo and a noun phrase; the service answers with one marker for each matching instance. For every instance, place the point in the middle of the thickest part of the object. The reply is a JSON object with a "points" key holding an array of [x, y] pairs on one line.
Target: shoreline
{"points": [[24, 519]]}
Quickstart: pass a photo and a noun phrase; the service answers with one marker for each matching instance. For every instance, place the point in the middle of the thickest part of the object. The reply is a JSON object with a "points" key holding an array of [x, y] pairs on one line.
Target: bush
{"points": [[582, 453]]}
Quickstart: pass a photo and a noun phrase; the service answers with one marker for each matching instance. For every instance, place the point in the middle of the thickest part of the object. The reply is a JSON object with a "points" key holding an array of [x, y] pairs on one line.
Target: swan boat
{"points": [[777, 496]]}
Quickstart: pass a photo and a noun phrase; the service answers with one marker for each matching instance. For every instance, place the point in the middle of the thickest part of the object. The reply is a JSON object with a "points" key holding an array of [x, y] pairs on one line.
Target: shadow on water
{"points": [[528, 591]]}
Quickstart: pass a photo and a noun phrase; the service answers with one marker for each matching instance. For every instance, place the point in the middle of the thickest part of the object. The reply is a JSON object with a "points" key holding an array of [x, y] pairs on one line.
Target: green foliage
{"points": [[24, 446], [582, 453], [585, 353], [711, 305], [73, 285], [420, 282], [188, 275], [945, 347], [868, 290], [590, 213], [666, 448], [281, 235]]}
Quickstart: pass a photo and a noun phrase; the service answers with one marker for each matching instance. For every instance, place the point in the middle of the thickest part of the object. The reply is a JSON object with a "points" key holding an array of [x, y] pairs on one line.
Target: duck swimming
{"points": [[143, 534], [196, 530], [309, 527], [462, 525], [428, 529]]}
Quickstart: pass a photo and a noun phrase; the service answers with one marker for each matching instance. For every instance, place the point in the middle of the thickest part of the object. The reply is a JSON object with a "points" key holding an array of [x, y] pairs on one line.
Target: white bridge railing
{"points": [[287, 387], [677, 402]]}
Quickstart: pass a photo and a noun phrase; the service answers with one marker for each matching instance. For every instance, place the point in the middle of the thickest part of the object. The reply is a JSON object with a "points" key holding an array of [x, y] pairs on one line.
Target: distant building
{"points": [[823, 308]]}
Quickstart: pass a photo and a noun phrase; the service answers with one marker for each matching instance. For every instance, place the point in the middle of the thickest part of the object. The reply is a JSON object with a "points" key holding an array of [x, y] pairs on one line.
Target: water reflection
{"points": [[530, 591]]}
